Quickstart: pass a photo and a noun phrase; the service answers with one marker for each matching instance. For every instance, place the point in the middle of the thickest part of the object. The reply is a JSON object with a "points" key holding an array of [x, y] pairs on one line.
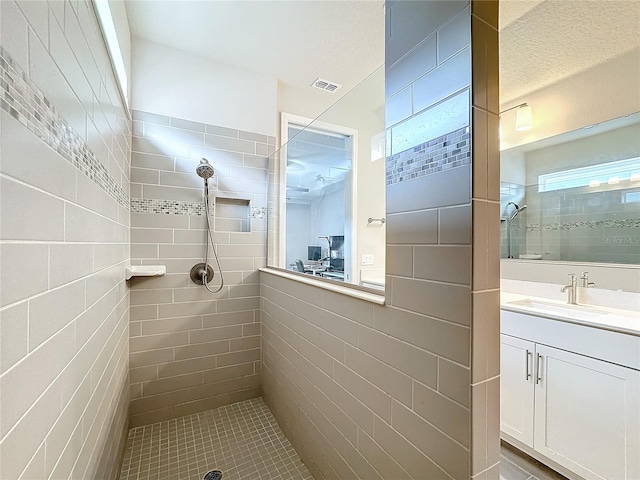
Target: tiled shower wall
{"points": [[409, 389], [64, 244], [192, 350]]}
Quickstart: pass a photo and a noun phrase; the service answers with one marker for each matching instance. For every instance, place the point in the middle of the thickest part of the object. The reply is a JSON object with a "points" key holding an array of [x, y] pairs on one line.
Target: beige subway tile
{"points": [[243, 291], [153, 357], [373, 397], [186, 309], [174, 280], [151, 297], [485, 334], [14, 325], [245, 394], [399, 260], [46, 317], [158, 220], [156, 342], [144, 175], [438, 410], [493, 421], [244, 343], [227, 373], [479, 132], [69, 262], [478, 428], [143, 374], [316, 356], [388, 379], [450, 264], [82, 225], [19, 261], [416, 463], [420, 227], [170, 325], [444, 301], [455, 225], [324, 341], [235, 358], [151, 235], [169, 384], [384, 463], [250, 329], [213, 389], [445, 452], [228, 318], [41, 218], [201, 350], [290, 288], [187, 180], [201, 405], [152, 161], [35, 468], [150, 417], [156, 402], [182, 251], [19, 445], [238, 304], [135, 329], [213, 334], [197, 293], [143, 312], [454, 381], [143, 250], [414, 362], [349, 307], [340, 327], [173, 265], [181, 367]]}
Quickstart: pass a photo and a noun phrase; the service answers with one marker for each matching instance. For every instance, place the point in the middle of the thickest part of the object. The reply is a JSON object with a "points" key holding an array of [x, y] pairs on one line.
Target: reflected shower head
{"points": [[517, 210], [204, 169]]}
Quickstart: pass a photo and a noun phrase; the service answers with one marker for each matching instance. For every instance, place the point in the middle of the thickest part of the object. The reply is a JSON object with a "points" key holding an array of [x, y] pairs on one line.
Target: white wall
{"points": [[175, 83]]}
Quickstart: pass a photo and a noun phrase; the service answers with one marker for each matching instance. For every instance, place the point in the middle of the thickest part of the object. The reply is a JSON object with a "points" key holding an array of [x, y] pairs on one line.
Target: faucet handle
{"points": [[584, 280], [572, 278]]}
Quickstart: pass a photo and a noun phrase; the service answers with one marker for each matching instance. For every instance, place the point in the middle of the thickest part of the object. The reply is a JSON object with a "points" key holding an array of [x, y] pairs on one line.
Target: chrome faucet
{"points": [[584, 280], [571, 289]]}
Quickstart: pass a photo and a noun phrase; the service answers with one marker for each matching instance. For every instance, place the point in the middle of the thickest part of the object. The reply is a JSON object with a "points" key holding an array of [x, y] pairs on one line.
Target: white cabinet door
{"points": [[516, 388], [587, 415]]}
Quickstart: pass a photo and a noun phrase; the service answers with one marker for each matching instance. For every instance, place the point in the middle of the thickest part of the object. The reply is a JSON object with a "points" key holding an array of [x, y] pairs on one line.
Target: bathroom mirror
{"points": [[574, 198], [327, 180]]}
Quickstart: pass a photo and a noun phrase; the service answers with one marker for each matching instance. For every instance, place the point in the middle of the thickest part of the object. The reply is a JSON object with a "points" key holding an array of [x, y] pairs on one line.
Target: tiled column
{"points": [[443, 211]]}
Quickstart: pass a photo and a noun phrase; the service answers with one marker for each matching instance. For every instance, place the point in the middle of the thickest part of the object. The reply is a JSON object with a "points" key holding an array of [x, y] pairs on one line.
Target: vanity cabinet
{"points": [[580, 412]]}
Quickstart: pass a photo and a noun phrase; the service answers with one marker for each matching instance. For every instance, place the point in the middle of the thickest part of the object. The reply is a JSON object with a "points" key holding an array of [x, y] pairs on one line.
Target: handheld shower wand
{"points": [[202, 273], [510, 219]]}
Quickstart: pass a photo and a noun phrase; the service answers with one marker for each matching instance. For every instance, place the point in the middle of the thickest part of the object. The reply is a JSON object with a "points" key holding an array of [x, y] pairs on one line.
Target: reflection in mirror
{"points": [[574, 197], [325, 182]]}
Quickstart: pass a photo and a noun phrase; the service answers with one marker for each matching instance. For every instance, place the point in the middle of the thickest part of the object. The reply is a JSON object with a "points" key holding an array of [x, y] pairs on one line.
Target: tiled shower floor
{"points": [[242, 440]]}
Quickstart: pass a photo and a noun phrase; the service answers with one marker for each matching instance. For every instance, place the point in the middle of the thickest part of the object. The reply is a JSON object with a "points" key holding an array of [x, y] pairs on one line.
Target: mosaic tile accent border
{"points": [[178, 207], [259, 212], [448, 151], [243, 440], [168, 207], [537, 227], [22, 99]]}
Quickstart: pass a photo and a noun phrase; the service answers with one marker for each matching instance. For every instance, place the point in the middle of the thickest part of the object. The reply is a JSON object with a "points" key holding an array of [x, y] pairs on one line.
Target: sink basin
{"points": [[573, 311]]}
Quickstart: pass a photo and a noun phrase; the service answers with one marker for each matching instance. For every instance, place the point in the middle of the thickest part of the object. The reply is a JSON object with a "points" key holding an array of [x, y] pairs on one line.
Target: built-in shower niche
{"points": [[232, 215]]}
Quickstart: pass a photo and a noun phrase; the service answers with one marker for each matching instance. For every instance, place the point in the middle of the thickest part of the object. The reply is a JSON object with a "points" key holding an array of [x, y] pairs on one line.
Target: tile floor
{"points": [[515, 465], [242, 440]]}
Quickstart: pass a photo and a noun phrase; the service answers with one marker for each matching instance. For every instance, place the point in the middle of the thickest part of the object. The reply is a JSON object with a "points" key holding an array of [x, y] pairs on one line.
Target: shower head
{"points": [[517, 210], [204, 169]]}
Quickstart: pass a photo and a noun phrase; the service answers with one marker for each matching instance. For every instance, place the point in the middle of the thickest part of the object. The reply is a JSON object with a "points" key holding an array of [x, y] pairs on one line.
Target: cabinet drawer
{"points": [[615, 347]]}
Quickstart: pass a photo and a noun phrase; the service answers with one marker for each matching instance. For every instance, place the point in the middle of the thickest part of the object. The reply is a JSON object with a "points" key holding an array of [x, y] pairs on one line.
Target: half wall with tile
{"points": [[64, 245], [409, 390], [192, 350]]}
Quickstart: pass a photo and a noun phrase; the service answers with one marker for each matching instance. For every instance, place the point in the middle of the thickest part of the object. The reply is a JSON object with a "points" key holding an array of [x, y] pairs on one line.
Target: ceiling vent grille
{"points": [[326, 85]]}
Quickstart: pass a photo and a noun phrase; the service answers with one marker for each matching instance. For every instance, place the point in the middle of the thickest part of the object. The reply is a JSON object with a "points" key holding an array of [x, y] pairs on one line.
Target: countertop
{"points": [[623, 321]]}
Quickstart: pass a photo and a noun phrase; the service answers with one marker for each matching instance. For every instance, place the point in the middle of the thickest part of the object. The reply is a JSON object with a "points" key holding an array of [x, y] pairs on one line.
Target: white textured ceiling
{"points": [[542, 42], [294, 41]]}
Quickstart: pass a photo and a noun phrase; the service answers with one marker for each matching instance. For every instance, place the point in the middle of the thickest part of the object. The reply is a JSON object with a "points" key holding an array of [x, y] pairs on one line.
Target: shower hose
{"points": [[213, 247]]}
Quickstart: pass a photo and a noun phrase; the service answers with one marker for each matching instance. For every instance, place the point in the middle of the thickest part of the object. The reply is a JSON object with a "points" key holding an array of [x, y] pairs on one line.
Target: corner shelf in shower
{"points": [[145, 271]]}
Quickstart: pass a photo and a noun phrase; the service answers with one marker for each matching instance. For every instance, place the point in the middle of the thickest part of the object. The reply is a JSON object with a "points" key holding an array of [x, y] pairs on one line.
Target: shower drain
{"points": [[213, 475]]}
